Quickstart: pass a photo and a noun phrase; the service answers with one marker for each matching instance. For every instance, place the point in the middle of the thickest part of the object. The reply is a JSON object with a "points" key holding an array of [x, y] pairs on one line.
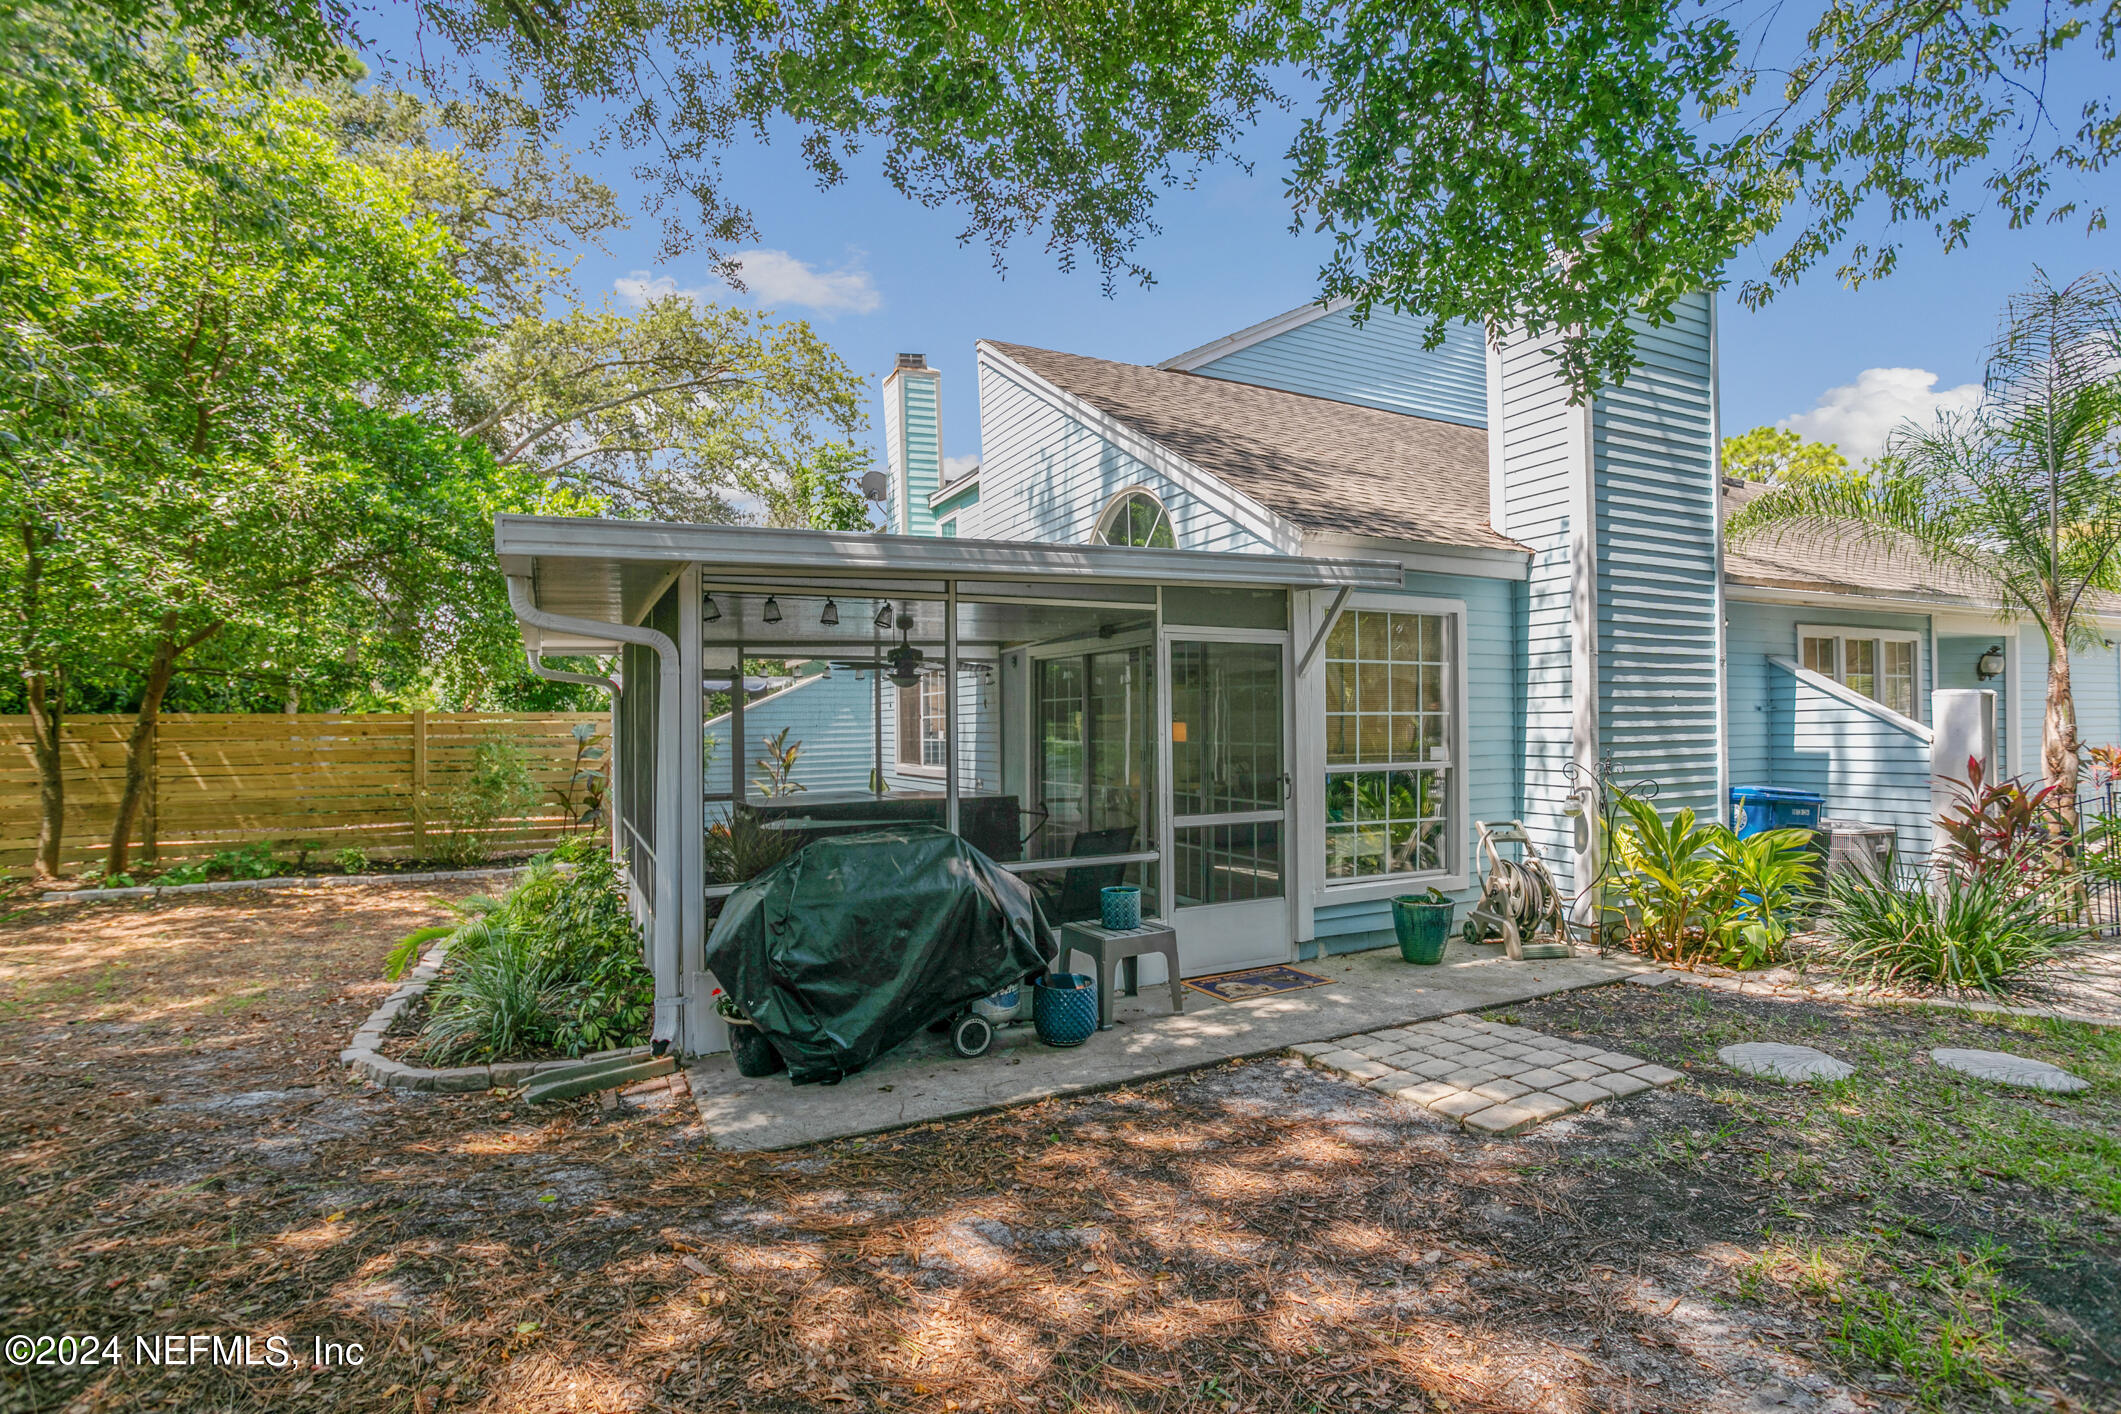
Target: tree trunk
{"points": [[47, 705], [139, 746], [2058, 749]]}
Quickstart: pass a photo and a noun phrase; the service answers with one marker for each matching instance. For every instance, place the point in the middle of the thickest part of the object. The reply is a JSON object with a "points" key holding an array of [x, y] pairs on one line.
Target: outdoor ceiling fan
{"points": [[902, 664], [905, 660]]}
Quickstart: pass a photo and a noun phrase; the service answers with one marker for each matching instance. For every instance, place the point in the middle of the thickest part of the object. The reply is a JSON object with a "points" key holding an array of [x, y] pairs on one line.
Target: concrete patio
{"points": [[924, 1080]]}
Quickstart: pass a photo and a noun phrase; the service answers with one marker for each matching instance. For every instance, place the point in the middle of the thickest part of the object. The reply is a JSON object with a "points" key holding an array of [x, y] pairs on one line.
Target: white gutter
{"points": [[534, 649], [663, 945]]}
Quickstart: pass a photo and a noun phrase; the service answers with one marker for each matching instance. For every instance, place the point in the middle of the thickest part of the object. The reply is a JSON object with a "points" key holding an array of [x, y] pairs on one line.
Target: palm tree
{"points": [[2022, 494]]}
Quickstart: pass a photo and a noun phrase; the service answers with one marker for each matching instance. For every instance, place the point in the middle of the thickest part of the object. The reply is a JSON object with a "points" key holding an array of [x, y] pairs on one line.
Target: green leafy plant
{"points": [[582, 798], [1698, 891], [1959, 932], [497, 998], [554, 966], [1664, 874], [744, 847], [777, 766], [1759, 884], [497, 788], [1998, 826], [351, 860]]}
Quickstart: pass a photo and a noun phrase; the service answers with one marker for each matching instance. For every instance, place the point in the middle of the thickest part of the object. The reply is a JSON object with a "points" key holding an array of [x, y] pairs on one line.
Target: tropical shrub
{"points": [[497, 788], [554, 966], [742, 847], [1759, 885], [1958, 931], [777, 766], [1694, 891], [1999, 827]]}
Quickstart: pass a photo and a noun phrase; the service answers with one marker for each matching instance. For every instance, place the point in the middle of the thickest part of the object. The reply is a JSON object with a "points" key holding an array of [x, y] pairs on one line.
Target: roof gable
{"points": [[1325, 466]]}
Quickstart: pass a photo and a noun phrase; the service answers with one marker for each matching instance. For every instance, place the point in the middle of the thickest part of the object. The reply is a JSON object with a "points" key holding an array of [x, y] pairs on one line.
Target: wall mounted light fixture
{"points": [[1990, 664], [772, 613], [831, 617], [709, 610]]}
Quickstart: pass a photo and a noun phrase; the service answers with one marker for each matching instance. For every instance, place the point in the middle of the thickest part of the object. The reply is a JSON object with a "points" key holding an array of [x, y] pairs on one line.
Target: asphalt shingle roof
{"points": [[1322, 465], [1853, 562]]}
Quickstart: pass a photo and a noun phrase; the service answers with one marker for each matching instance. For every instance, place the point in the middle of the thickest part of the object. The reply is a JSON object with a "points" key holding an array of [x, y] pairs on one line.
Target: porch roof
{"points": [[614, 570]]}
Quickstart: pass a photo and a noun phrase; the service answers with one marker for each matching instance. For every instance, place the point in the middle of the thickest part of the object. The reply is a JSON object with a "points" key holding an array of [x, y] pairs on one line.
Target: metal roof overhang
{"points": [[613, 570]]}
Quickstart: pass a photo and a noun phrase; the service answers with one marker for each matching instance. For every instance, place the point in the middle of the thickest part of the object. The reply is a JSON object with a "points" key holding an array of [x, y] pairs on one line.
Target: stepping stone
{"points": [[1652, 979], [2007, 1069], [1784, 1062]]}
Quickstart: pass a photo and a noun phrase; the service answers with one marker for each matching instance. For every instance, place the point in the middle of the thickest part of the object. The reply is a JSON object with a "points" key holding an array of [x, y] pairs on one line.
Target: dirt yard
{"points": [[182, 1156]]}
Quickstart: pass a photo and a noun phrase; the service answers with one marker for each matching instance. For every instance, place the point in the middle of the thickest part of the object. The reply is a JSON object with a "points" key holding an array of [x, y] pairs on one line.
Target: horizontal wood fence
{"points": [[382, 782]]}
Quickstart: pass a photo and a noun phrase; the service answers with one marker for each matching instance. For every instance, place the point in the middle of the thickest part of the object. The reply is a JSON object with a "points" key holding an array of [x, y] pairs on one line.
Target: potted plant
{"points": [[1423, 923]]}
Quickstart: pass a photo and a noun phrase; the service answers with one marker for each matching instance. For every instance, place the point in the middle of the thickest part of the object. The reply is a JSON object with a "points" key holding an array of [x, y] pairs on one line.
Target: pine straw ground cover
{"points": [[180, 1153]]}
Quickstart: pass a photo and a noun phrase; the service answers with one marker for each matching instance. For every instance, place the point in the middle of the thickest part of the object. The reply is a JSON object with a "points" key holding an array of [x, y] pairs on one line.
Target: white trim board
{"points": [[1256, 334]]}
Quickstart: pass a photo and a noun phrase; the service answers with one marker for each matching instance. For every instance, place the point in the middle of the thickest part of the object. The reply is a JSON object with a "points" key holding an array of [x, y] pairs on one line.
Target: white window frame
{"points": [[1842, 633], [1451, 876], [1117, 501]]}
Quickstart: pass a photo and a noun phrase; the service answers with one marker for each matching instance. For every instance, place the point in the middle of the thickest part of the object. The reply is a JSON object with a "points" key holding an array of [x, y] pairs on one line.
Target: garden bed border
{"points": [[366, 1057], [316, 881]]}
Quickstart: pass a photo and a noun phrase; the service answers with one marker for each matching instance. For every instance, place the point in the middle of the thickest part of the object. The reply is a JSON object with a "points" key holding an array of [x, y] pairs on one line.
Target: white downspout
{"points": [[663, 959], [610, 685]]}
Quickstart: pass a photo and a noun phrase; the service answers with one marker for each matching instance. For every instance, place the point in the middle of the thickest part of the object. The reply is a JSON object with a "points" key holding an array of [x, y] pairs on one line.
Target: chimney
{"points": [[913, 442]]}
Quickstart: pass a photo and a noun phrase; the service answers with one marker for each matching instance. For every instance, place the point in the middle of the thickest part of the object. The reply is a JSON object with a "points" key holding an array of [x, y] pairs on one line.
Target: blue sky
{"points": [[879, 275]]}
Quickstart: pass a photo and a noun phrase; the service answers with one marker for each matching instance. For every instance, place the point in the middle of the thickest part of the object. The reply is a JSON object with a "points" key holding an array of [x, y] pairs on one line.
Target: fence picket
{"points": [[226, 779]]}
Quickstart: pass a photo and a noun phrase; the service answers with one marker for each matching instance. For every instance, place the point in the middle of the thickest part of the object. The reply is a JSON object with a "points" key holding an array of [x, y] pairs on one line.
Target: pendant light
{"points": [[772, 615], [831, 617]]}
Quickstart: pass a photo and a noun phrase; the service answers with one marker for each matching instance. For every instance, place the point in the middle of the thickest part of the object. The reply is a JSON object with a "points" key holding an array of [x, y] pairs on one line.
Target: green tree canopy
{"points": [[1778, 455], [201, 424]]}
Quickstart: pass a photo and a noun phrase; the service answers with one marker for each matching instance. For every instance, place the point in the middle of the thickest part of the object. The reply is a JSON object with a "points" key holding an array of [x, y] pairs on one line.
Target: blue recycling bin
{"points": [[1755, 809]]}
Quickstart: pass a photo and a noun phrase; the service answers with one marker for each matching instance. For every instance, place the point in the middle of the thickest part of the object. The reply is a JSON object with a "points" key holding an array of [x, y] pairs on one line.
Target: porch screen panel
{"points": [[1390, 697], [639, 715], [1226, 772]]}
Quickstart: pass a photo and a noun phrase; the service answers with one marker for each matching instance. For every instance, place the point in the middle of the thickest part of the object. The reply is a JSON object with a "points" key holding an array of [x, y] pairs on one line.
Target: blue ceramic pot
{"points": [[1120, 906], [1064, 1008]]}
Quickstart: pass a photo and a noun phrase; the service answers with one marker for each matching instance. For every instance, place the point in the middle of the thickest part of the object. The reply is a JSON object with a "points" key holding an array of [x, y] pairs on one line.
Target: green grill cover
{"points": [[854, 943]]}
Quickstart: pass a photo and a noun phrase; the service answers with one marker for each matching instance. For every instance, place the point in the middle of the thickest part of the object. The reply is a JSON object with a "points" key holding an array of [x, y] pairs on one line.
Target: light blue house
{"points": [[1270, 628]]}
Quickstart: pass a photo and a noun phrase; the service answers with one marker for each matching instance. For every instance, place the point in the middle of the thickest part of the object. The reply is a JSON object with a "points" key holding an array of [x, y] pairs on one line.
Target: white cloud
{"points": [[954, 467], [770, 277], [640, 287], [1859, 416], [775, 277]]}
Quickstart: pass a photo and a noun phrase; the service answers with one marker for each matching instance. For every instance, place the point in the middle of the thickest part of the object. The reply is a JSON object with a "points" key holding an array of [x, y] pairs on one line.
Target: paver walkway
{"points": [[1487, 1075], [923, 1081]]}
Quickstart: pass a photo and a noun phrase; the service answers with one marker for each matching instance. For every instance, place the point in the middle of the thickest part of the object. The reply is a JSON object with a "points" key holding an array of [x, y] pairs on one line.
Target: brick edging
{"points": [[316, 881], [367, 1060]]}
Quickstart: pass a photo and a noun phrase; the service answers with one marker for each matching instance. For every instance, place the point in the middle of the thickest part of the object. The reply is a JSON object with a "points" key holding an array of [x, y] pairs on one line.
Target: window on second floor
{"points": [[1879, 663], [1136, 518]]}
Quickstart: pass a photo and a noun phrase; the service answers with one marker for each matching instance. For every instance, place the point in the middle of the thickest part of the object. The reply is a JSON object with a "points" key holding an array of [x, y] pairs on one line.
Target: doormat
{"points": [[1255, 982]]}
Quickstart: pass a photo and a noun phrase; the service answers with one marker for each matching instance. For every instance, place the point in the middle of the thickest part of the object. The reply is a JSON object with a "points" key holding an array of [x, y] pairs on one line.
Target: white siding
{"points": [[1045, 475]]}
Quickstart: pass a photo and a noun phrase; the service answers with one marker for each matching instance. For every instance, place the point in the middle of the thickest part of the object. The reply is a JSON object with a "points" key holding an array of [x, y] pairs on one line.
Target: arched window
{"points": [[1136, 518]]}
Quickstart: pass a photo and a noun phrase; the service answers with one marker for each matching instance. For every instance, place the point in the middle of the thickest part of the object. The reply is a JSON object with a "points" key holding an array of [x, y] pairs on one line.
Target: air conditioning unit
{"points": [[1857, 844]]}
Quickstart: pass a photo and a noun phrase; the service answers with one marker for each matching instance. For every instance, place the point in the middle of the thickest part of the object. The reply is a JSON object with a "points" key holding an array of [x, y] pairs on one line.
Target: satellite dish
{"points": [[876, 485]]}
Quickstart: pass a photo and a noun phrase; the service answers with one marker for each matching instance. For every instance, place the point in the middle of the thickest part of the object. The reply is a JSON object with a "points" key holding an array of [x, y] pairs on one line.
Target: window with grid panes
{"points": [[1879, 665], [1390, 698]]}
